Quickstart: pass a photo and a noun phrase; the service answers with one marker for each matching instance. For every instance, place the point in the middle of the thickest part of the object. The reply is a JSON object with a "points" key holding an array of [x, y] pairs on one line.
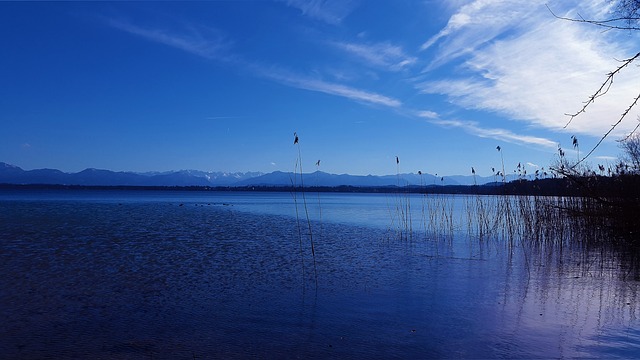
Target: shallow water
{"points": [[127, 274]]}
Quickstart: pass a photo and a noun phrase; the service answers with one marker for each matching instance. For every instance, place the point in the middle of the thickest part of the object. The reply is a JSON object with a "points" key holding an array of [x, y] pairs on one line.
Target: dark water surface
{"points": [[183, 275]]}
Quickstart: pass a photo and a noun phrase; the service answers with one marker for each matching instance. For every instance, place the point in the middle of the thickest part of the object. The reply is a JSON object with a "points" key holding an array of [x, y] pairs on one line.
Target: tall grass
{"points": [[298, 169], [294, 194], [401, 219], [598, 225], [318, 194]]}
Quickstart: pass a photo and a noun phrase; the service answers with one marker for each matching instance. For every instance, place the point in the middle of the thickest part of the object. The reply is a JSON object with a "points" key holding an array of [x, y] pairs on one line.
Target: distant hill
{"points": [[319, 178], [10, 174]]}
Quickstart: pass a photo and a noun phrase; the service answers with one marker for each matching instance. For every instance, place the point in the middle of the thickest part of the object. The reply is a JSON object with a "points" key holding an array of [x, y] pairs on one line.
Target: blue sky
{"points": [[223, 85]]}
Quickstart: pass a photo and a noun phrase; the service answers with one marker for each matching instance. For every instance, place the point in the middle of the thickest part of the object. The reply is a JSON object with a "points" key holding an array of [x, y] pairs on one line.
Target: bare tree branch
{"points": [[604, 88], [632, 131], [628, 12], [607, 23], [624, 114]]}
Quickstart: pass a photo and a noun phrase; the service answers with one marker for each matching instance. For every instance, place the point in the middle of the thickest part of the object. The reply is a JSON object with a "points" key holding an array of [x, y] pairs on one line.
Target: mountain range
{"points": [[11, 174]]}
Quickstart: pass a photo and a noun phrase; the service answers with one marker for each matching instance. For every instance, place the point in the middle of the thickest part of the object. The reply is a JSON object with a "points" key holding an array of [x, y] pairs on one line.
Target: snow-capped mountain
{"points": [[10, 174]]}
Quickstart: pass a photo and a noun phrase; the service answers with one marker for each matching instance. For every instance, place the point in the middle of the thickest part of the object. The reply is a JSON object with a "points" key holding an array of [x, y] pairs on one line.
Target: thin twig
{"points": [[603, 89], [624, 115], [603, 23]]}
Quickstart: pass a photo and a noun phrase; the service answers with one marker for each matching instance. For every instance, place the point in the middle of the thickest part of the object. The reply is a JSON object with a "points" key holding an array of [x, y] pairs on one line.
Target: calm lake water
{"points": [[184, 275]]}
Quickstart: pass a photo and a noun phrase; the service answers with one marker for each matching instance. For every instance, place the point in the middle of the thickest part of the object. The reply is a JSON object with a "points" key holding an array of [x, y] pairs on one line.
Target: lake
{"points": [[130, 274]]}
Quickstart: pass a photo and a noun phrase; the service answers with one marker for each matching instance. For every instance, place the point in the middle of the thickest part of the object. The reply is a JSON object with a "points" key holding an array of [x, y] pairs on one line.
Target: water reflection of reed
{"points": [[568, 231], [573, 308], [578, 287]]}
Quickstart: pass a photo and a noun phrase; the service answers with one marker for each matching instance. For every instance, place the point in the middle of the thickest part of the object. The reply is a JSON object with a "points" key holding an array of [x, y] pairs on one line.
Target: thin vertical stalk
{"points": [[306, 209]]}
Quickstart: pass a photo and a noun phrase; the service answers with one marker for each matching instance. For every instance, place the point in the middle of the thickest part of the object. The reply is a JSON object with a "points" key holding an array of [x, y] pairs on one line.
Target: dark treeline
{"points": [[620, 187], [556, 187]]}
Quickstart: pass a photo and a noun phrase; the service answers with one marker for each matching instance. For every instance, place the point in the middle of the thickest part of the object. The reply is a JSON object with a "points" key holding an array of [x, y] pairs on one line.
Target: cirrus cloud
{"points": [[516, 59]]}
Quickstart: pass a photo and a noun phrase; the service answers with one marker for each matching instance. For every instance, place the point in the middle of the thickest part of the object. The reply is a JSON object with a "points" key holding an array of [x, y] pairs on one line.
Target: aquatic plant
{"points": [[404, 226], [294, 193], [318, 194], [423, 220], [573, 210], [298, 166]]}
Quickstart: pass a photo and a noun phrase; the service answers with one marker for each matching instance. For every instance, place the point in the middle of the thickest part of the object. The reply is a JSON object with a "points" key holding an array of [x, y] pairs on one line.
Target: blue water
{"points": [[166, 275]]}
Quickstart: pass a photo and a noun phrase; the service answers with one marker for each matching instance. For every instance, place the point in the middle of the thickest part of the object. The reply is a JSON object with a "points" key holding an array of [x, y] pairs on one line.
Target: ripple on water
{"points": [[155, 279]]}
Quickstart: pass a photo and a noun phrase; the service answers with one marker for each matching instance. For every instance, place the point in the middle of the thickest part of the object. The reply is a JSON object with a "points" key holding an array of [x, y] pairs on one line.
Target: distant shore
{"points": [[540, 187]]}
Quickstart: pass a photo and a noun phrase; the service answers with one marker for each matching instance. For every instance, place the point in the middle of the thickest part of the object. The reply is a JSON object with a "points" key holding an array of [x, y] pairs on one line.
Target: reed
{"points": [[404, 226], [588, 214], [476, 207], [318, 194], [298, 166], [597, 221], [563, 224], [294, 194], [423, 219]]}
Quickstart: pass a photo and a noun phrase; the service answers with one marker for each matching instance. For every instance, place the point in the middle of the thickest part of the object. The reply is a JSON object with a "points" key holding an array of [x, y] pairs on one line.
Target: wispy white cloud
{"points": [[222, 117], [606, 158], [329, 11], [383, 55], [476, 23], [206, 42], [210, 46], [523, 63], [427, 114], [474, 128], [306, 83]]}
